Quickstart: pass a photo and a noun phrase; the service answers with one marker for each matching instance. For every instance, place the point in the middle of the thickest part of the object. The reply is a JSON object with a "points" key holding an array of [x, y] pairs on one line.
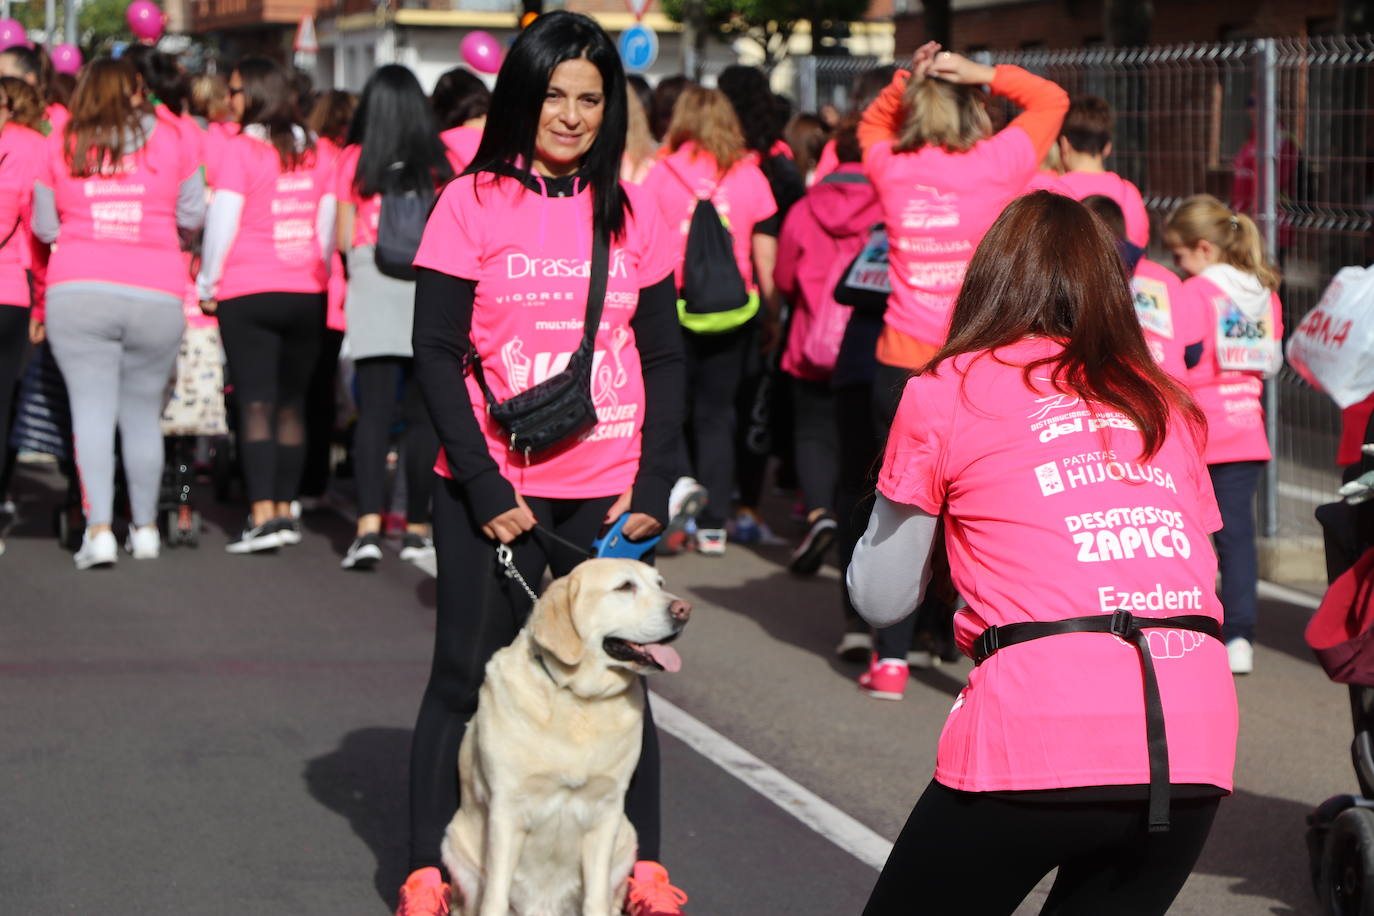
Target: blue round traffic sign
{"points": [[638, 47]]}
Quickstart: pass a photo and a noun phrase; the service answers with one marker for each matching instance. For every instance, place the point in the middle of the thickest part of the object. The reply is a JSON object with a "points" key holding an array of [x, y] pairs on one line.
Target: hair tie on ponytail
{"points": [[1235, 223]]}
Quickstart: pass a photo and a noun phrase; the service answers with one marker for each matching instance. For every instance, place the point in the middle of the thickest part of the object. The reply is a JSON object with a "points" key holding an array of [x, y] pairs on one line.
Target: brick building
{"points": [[1008, 25], [356, 36]]}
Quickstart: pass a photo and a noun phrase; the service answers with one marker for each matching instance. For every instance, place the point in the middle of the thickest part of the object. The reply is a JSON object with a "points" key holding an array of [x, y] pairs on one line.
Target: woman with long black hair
{"points": [[265, 265], [393, 148], [505, 272]]}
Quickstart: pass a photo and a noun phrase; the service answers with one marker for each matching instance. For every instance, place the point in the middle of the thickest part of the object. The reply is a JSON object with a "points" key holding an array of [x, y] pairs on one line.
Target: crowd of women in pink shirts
{"points": [[141, 204], [269, 198]]}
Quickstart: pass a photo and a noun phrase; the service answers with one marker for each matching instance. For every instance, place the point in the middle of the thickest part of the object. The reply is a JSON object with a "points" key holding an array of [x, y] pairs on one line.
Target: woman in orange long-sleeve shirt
{"points": [[943, 177]]}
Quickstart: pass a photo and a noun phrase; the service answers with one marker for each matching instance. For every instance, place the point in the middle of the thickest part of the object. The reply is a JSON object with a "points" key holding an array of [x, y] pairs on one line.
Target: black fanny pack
{"points": [[560, 407], [1132, 629]]}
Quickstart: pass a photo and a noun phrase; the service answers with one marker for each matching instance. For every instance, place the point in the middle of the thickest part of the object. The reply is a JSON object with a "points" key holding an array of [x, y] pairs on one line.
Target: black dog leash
{"points": [[506, 557], [1131, 628]]}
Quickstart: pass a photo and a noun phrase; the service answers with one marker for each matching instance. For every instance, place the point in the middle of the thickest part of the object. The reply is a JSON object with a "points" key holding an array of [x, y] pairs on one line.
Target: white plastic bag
{"points": [[1333, 347]]}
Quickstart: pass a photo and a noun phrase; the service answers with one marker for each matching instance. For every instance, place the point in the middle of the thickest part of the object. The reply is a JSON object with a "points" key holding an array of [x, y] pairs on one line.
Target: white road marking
{"points": [[1290, 595], [791, 796]]}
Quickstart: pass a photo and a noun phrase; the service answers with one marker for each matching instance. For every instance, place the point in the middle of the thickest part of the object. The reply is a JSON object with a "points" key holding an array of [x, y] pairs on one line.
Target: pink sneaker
{"points": [[423, 894], [885, 678], [651, 894]]}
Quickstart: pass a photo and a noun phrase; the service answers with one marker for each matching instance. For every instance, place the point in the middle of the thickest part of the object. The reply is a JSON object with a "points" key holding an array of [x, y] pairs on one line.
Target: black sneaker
{"points": [[256, 539], [364, 553], [416, 547], [807, 558]]}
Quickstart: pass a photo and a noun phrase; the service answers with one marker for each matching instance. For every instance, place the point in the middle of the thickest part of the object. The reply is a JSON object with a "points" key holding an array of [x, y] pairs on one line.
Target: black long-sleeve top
{"points": [[443, 322]]}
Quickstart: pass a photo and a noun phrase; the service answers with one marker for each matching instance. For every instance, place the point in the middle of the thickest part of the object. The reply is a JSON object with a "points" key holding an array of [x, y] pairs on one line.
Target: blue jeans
{"points": [[1235, 483]]}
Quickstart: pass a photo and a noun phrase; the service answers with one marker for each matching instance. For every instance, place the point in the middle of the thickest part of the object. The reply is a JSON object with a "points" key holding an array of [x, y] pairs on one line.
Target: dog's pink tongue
{"points": [[666, 656]]}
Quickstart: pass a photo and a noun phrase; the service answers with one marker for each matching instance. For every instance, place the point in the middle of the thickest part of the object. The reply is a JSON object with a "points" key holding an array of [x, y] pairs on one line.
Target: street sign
{"points": [[306, 42], [638, 7], [638, 47]]}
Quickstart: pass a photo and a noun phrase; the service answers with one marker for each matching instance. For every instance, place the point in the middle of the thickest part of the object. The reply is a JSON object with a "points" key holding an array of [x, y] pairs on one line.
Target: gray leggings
{"points": [[116, 347]]}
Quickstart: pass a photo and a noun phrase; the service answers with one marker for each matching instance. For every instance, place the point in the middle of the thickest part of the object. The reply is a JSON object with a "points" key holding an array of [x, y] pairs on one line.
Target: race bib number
{"points": [[1243, 344], [1152, 306], [869, 271]]}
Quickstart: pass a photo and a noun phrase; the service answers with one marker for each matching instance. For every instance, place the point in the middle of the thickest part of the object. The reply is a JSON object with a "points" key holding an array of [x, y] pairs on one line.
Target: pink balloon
{"points": [[66, 59], [481, 52], [145, 20], [12, 33]]}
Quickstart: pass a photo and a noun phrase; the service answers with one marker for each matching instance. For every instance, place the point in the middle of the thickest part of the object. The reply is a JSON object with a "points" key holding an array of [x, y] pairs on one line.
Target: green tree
{"points": [[101, 22], [768, 23]]}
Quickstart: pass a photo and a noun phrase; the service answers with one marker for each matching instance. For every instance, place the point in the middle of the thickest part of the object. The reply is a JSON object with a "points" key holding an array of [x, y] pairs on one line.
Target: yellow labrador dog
{"points": [[546, 760]]}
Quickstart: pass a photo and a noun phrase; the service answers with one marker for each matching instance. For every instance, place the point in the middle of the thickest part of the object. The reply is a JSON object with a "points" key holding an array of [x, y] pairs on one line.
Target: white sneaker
{"points": [[855, 646], [96, 550], [143, 543], [711, 542], [1241, 654], [686, 498]]}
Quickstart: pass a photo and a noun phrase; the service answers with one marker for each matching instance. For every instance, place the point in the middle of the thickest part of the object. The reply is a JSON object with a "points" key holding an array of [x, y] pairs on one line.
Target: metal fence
{"points": [[1281, 128]]}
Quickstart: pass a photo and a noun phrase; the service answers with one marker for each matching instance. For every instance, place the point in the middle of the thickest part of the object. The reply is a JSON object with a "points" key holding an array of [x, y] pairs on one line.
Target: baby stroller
{"points": [[1340, 834], [193, 407]]}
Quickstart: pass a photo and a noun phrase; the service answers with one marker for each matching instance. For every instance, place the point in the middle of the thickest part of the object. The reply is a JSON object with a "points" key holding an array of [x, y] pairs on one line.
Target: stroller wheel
{"points": [[1347, 884]]}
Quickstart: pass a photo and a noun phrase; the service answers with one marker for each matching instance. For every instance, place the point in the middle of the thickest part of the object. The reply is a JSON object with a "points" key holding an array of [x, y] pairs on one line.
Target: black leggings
{"points": [[479, 612], [14, 340], [715, 365], [320, 414], [271, 341], [860, 453], [978, 854], [382, 381]]}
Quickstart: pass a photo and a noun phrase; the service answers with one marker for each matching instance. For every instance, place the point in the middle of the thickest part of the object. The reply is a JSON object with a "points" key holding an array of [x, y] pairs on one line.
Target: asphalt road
{"points": [[207, 734]]}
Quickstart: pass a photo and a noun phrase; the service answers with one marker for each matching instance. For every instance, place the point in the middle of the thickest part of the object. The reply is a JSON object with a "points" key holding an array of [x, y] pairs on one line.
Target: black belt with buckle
{"points": [[1131, 628]]}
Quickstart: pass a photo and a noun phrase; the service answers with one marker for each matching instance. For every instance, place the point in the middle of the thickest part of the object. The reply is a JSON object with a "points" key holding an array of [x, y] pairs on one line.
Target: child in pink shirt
{"points": [[1085, 141], [1067, 470], [1231, 298], [1172, 332]]}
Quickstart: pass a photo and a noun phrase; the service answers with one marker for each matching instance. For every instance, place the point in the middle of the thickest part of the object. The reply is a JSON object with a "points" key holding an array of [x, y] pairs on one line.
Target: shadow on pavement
{"points": [[366, 781], [1259, 841], [1280, 627], [806, 613]]}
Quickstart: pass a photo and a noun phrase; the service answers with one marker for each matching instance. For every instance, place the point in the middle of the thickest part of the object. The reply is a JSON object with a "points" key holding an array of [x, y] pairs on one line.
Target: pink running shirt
{"points": [[121, 227], [277, 248], [367, 210], [937, 207], [1231, 400], [215, 143], [1169, 327], [743, 199], [57, 116], [462, 143], [1051, 512], [21, 161], [1126, 194], [529, 256]]}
